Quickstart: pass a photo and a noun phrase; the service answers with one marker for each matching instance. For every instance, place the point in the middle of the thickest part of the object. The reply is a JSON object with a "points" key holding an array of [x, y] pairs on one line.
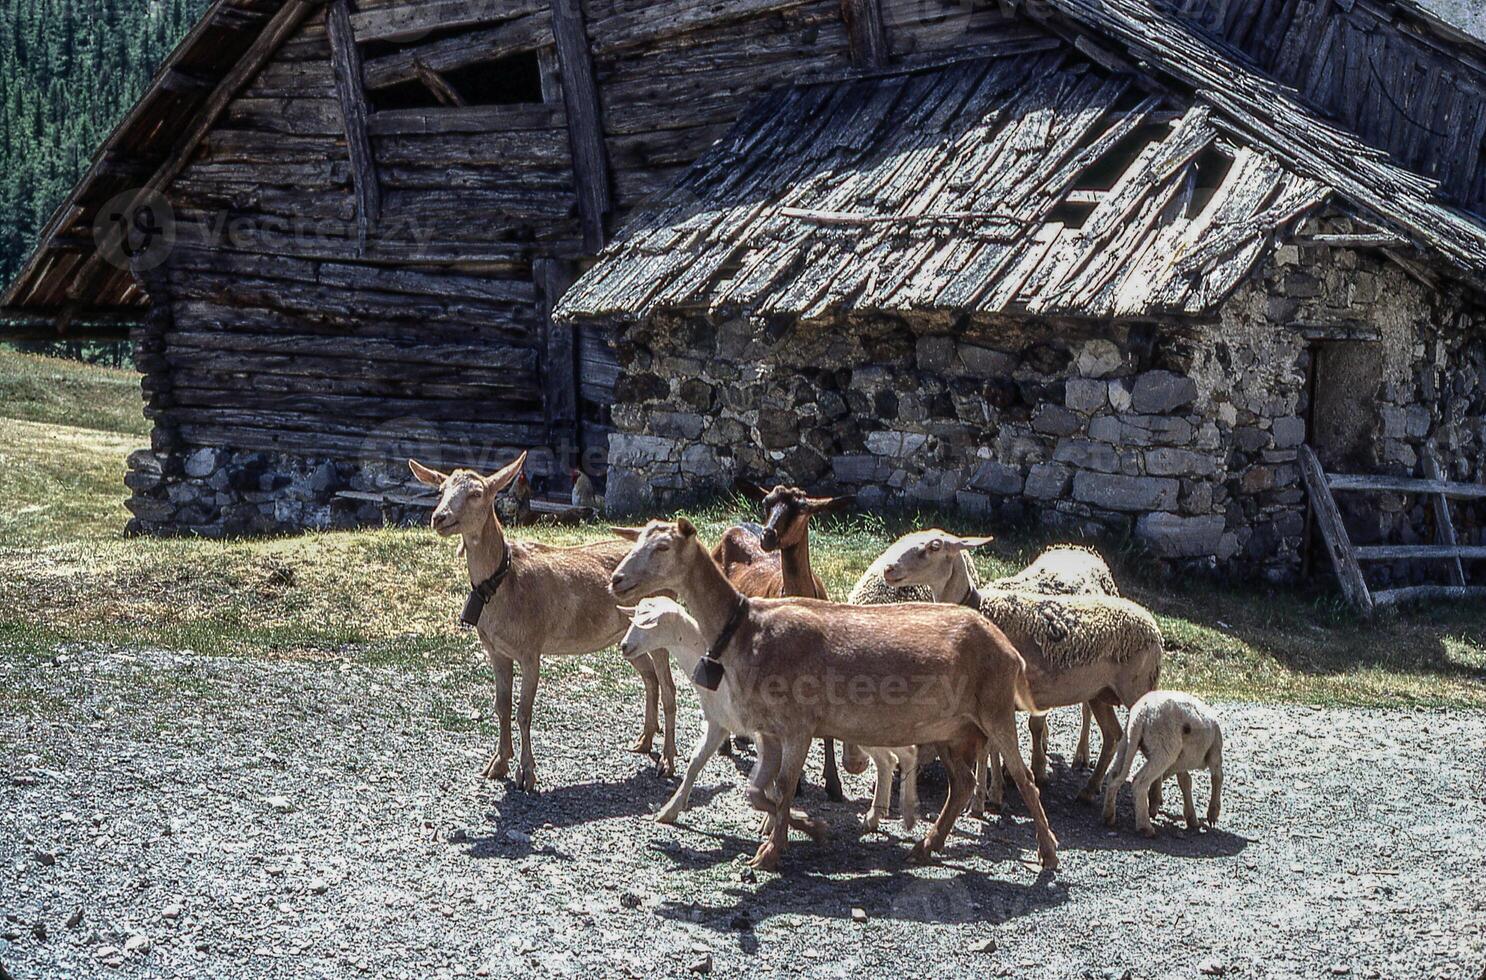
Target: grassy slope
{"points": [[393, 595]]}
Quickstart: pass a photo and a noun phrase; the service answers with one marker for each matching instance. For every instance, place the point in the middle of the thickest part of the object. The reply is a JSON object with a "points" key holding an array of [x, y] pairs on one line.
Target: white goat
{"points": [[1178, 733]]}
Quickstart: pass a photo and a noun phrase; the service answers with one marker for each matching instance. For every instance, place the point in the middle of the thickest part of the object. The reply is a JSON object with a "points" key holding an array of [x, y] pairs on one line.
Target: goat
{"points": [[1098, 650], [917, 674], [776, 563], [538, 601], [1178, 733]]}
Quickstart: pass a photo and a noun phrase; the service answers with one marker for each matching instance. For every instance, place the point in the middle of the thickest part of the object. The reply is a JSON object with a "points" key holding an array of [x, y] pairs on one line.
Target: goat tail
{"points": [[1022, 692]]}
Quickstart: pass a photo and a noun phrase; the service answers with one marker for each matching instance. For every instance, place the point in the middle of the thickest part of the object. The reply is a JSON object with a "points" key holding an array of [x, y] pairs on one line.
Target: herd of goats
{"points": [[920, 657]]}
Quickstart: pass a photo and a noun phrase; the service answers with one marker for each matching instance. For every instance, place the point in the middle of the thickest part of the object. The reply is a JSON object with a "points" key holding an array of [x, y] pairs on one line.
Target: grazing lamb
{"points": [[928, 674], [530, 601], [1178, 733]]}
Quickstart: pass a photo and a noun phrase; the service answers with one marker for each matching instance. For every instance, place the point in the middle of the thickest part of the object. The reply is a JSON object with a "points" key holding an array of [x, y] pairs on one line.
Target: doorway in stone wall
{"points": [[1342, 420]]}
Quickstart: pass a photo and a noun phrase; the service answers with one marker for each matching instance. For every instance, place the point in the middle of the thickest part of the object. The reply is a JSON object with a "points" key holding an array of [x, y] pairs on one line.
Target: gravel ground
{"points": [[174, 815]]}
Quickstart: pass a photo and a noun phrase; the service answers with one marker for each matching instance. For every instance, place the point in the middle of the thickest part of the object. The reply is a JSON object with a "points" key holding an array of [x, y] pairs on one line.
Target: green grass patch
{"points": [[63, 392]]}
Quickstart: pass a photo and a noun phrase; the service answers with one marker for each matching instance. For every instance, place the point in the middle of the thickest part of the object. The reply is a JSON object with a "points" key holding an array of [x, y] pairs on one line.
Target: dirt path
{"points": [[212, 817]]}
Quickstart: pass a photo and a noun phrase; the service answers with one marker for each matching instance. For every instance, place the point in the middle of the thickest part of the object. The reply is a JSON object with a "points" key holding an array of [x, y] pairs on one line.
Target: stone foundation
{"points": [[1184, 435], [217, 493]]}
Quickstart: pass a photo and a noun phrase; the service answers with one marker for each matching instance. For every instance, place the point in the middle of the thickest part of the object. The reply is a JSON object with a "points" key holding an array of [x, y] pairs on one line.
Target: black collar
{"points": [[708, 672], [482, 592], [972, 598]]}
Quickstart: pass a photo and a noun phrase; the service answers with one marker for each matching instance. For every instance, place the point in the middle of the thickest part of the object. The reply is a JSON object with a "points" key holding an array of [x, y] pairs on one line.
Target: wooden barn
{"points": [[1112, 264]]}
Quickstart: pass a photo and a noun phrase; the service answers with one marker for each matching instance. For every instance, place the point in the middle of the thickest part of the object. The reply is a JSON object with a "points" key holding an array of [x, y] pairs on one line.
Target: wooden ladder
{"points": [[1346, 558]]}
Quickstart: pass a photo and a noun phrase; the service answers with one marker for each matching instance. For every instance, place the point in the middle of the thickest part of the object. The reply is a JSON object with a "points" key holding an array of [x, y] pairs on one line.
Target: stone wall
{"points": [[1184, 435], [217, 492]]}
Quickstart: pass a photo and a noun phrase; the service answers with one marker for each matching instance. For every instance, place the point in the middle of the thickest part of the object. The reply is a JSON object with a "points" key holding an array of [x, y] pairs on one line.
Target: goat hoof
{"points": [[667, 816], [816, 829], [766, 858], [909, 821], [922, 853], [870, 822], [496, 768], [1080, 762], [526, 779], [835, 794], [666, 768], [1148, 831], [1049, 859], [642, 747]]}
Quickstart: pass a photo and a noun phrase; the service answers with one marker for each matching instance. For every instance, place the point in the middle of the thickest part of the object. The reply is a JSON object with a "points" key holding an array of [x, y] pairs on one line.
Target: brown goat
{"points": [[917, 673], [548, 602]]}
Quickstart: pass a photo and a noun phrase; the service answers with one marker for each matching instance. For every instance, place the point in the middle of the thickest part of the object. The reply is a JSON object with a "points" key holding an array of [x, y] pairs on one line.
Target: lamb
{"points": [[1095, 649], [920, 674], [531, 601], [1178, 733]]}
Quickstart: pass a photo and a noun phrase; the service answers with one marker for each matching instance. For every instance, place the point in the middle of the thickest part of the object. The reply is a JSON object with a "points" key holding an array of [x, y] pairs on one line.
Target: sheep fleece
{"points": [[1073, 629]]}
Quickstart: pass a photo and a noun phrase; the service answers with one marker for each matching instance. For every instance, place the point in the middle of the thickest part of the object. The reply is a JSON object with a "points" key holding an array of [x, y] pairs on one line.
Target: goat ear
{"points": [[830, 505], [426, 476], [685, 527], [628, 533], [975, 542], [502, 478], [628, 612], [752, 491]]}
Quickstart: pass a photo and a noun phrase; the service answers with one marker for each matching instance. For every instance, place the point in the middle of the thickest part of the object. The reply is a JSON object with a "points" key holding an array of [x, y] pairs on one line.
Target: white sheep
{"points": [[1178, 733]]}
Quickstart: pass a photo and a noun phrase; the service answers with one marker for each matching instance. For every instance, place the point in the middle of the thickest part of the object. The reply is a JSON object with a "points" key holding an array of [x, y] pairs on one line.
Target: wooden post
{"points": [[149, 342], [865, 33], [559, 356], [346, 60], [585, 129], [1445, 527], [1334, 533]]}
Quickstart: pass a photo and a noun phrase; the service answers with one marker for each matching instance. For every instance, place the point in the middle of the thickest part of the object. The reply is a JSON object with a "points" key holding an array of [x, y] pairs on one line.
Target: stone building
{"points": [[1076, 301]]}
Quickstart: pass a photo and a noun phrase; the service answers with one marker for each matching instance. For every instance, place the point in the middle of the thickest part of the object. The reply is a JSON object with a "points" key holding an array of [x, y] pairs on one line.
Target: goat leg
{"points": [[500, 763], [959, 760], [646, 669], [706, 746], [830, 775], [1001, 733], [531, 676], [1081, 754], [666, 765], [1110, 732], [791, 756]]}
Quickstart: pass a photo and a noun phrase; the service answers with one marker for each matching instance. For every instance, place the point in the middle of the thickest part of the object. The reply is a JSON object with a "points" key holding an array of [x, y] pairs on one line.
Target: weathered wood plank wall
{"points": [[1399, 86]]}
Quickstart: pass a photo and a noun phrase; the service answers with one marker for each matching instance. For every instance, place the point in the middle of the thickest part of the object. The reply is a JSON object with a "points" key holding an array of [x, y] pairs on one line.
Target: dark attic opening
{"points": [[512, 80]]}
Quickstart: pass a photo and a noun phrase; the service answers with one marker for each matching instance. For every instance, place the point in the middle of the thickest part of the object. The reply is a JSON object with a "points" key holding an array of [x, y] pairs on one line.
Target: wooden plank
{"points": [[585, 129], [446, 54], [409, 22], [1334, 533], [865, 33], [436, 84], [469, 119], [559, 356], [1419, 552], [1405, 484], [345, 58], [1444, 524], [1416, 593]]}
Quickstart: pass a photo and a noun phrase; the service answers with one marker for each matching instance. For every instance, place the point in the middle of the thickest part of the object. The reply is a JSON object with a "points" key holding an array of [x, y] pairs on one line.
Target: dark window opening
{"points": [[1212, 169], [513, 80], [1072, 214]]}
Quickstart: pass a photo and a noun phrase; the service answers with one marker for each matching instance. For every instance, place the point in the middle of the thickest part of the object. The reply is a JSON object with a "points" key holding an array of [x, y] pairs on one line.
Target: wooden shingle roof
{"points": [[67, 278], [981, 187]]}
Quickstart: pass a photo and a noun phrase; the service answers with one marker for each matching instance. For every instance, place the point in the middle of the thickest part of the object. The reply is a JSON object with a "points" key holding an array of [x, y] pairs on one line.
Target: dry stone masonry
{"points": [[1184, 436]]}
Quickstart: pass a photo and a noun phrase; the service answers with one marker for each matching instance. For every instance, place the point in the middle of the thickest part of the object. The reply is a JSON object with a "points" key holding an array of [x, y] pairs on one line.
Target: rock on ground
{"points": [[220, 817]]}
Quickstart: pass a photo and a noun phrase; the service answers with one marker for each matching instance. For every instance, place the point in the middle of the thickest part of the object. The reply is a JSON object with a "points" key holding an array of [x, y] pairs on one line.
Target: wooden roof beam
{"points": [[585, 128], [345, 61]]}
